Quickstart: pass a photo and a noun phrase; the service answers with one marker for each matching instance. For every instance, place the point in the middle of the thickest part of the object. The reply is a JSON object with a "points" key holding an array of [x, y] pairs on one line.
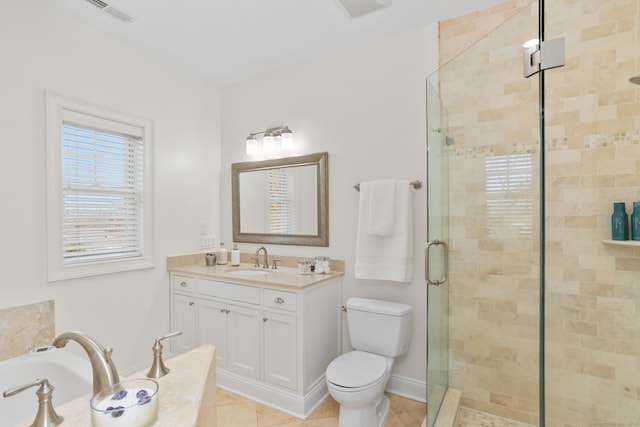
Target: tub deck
{"points": [[187, 393]]}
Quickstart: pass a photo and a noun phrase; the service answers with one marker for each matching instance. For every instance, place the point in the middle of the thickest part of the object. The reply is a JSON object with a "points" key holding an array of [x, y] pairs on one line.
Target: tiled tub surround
{"points": [[592, 159], [275, 333], [26, 327]]}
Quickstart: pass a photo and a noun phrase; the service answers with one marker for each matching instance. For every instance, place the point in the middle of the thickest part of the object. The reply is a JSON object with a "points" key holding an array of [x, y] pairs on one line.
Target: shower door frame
{"points": [[439, 232]]}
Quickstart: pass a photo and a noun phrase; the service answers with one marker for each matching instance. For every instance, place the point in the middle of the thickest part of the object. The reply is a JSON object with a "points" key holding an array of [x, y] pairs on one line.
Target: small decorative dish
{"points": [[131, 403]]}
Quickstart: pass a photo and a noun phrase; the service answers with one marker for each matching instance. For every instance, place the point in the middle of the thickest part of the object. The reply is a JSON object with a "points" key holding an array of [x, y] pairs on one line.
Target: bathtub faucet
{"points": [[105, 374]]}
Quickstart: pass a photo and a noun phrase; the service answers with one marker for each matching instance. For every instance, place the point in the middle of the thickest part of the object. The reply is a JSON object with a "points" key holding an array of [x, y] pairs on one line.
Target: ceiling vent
{"points": [[116, 13], [355, 8]]}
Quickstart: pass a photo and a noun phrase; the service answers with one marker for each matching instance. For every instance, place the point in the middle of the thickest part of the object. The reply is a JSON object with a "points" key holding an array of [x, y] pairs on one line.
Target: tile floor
{"points": [[236, 411]]}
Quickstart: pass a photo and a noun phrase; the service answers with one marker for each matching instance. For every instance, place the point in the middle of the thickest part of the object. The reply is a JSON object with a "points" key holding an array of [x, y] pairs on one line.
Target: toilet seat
{"points": [[356, 369]]}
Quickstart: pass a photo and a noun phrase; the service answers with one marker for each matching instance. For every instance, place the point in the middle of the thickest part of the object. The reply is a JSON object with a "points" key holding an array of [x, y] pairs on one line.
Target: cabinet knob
{"points": [[279, 300], [222, 310], [183, 284], [191, 303], [264, 319], [227, 311]]}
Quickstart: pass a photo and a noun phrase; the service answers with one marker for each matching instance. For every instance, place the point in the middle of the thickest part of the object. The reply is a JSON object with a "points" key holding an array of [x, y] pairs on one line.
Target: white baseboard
{"points": [[284, 401], [407, 387]]}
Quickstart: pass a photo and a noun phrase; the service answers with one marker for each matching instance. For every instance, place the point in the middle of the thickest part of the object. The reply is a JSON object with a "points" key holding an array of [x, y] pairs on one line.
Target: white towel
{"points": [[382, 206], [386, 258]]}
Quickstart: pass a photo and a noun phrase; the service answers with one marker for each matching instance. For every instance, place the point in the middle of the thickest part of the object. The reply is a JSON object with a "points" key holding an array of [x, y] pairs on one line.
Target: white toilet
{"points": [[379, 331]]}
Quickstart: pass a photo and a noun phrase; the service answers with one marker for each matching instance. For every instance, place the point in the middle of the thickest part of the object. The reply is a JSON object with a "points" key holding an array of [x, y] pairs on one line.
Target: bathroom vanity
{"points": [[275, 331]]}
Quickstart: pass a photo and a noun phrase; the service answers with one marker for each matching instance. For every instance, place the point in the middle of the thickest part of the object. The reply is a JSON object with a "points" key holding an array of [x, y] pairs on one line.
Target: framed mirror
{"points": [[281, 201]]}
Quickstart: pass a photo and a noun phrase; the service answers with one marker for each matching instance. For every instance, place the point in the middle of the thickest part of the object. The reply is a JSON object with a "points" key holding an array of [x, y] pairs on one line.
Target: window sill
{"points": [[95, 269]]}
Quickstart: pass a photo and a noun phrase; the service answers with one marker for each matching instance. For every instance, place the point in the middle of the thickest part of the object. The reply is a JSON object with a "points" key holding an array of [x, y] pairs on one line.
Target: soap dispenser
{"points": [[235, 256]]}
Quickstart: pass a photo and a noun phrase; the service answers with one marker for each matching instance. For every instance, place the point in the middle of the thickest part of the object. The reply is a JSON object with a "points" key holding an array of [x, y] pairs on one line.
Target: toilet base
{"points": [[365, 417]]}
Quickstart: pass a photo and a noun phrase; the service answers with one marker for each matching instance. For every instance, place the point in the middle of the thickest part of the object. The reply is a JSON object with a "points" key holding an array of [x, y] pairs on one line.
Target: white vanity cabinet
{"points": [[272, 343], [183, 313], [280, 338], [229, 317]]}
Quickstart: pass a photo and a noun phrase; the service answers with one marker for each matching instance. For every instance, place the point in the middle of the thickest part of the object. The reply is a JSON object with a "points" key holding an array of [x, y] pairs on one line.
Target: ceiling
{"points": [[228, 41]]}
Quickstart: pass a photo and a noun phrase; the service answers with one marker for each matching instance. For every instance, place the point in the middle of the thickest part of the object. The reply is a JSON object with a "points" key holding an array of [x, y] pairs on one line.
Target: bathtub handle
{"points": [[16, 390], [158, 369], [46, 416]]}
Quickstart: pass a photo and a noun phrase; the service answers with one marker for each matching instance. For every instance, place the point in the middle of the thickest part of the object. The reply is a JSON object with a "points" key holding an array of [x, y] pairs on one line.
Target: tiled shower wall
{"points": [[592, 159], [26, 327], [593, 296]]}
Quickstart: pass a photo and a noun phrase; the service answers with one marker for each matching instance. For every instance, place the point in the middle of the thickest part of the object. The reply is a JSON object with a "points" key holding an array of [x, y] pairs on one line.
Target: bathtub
{"points": [[70, 375]]}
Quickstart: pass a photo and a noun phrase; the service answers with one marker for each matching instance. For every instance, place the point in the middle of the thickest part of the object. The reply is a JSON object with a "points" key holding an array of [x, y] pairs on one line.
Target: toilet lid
{"points": [[356, 369]]}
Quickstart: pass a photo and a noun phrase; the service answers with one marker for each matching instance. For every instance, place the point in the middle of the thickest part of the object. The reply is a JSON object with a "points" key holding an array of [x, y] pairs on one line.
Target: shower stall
{"points": [[534, 312]]}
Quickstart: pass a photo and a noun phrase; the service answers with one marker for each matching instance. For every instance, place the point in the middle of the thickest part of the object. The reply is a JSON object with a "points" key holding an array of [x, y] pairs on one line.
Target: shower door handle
{"points": [[445, 247]]}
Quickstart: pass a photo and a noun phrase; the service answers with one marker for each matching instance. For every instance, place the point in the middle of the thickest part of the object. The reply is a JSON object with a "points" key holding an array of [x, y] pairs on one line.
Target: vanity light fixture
{"points": [[274, 138]]}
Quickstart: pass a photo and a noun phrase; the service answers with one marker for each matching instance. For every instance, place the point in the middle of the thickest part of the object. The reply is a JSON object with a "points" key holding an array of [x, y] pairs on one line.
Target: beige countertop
{"points": [[187, 393], [283, 277]]}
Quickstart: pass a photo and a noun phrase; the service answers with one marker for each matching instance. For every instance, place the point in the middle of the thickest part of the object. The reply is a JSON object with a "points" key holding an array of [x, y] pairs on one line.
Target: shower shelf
{"points": [[622, 242]]}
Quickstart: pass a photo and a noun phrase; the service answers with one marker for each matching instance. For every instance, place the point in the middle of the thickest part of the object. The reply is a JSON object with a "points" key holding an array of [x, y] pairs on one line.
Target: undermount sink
{"points": [[247, 272]]}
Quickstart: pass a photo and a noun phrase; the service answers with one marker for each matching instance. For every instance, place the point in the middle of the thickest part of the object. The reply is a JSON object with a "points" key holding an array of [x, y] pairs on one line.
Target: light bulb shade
{"points": [[287, 139], [252, 145], [268, 143]]}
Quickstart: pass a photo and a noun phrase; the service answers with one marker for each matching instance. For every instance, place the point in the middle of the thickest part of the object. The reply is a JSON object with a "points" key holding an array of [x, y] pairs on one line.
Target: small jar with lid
{"points": [[304, 266], [322, 264]]}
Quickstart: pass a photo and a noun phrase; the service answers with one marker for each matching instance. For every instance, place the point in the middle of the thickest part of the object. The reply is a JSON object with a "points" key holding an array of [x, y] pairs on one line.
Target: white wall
{"points": [[366, 107], [43, 50]]}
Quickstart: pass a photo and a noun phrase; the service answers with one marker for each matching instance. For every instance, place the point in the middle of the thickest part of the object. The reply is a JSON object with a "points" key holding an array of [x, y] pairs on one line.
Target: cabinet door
{"points": [[280, 349], [212, 326], [243, 341], [183, 318]]}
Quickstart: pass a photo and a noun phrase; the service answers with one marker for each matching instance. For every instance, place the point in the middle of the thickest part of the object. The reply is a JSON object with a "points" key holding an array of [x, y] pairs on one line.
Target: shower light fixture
{"points": [[274, 138]]}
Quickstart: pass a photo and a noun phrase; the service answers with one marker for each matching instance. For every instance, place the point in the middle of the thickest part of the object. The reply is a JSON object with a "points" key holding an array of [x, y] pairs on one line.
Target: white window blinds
{"points": [[508, 188], [102, 188], [99, 190], [281, 206]]}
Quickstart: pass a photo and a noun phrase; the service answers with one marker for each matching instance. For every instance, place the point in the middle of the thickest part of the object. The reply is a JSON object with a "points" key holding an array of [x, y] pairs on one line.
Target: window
{"points": [[509, 202], [98, 190]]}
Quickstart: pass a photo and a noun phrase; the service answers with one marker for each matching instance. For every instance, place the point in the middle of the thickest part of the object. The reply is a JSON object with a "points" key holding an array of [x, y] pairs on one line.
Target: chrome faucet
{"points": [[105, 374], [266, 257]]}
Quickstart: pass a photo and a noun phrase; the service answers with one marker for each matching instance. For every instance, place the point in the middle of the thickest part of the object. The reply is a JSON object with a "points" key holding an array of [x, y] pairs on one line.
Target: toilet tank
{"points": [[379, 327]]}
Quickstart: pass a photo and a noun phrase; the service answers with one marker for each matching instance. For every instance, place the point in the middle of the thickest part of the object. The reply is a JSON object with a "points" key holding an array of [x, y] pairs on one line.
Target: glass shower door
{"points": [[436, 253], [483, 202]]}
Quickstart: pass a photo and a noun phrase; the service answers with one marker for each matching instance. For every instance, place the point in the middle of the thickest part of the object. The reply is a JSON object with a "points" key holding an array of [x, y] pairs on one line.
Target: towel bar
{"points": [[415, 184]]}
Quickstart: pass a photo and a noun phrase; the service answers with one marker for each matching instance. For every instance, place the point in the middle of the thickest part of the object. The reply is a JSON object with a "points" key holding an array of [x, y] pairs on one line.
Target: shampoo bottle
{"points": [[619, 222], [222, 254], [235, 256], [635, 221]]}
